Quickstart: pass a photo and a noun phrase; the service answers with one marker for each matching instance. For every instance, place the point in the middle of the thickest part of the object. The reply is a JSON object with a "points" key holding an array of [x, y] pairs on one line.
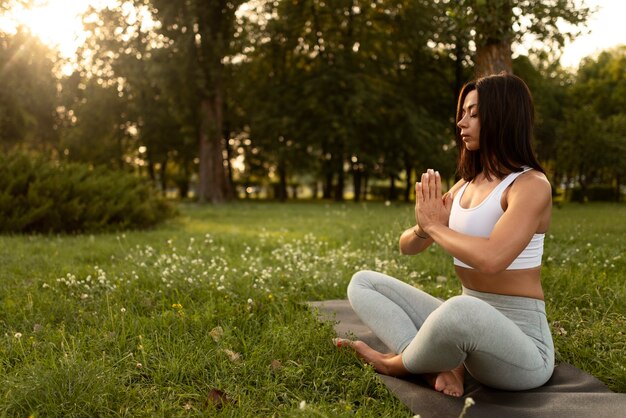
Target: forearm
{"points": [[477, 252], [414, 240]]}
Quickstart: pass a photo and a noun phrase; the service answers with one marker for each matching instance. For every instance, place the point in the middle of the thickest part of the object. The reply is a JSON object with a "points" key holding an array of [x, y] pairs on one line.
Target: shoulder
{"points": [[532, 185]]}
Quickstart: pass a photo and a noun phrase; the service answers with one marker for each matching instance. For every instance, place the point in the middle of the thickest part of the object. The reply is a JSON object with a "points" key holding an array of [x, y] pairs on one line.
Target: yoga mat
{"points": [[570, 392]]}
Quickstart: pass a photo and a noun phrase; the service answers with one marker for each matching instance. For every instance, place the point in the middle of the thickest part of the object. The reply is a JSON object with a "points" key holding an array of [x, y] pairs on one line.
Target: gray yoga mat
{"points": [[570, 393]]}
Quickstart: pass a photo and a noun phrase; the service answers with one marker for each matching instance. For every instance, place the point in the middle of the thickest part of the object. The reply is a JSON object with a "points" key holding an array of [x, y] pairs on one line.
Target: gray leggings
{"points": [[504, 341]]}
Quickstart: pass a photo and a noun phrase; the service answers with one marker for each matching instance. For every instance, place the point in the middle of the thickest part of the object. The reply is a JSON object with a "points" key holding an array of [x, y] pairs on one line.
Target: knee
{"points": [[360, 280], [456, 313], [461, 307]]}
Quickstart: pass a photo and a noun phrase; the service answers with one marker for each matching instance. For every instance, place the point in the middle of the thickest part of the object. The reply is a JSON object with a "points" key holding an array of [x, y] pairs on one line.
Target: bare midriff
{"points": [[526, 282]]}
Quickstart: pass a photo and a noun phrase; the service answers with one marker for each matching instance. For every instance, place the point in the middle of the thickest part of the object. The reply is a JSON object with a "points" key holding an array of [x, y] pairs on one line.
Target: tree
{"points": [[498, 24], [593, 143], [28, 96], [201, 33]]}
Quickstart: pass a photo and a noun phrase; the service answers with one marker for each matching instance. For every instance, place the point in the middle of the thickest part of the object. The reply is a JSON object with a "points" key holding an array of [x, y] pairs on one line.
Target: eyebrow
{"points": [[469, 107]]}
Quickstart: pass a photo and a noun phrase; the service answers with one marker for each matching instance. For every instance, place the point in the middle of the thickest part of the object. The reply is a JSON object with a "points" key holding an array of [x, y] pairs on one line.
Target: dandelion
{"points": [[469, 402], [177, 306], [302, 405], [123, 310], [139, 365], [18, 335]]}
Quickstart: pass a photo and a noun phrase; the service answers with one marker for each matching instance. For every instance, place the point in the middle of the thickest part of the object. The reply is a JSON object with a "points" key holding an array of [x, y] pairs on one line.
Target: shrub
{"points": [[37, 195], [595, 193]]}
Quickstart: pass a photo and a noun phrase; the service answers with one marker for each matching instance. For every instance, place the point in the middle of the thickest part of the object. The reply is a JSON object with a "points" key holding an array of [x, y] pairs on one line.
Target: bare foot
{"points": [[389, 363], [450, 382]]}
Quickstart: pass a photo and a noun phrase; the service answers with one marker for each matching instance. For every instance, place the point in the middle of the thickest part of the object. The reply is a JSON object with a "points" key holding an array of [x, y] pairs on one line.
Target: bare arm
{"points": [[528, 200], [411, 243]]}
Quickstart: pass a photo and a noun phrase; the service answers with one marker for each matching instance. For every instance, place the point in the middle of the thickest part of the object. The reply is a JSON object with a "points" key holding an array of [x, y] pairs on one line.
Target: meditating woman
{"points": [[493, 223]]}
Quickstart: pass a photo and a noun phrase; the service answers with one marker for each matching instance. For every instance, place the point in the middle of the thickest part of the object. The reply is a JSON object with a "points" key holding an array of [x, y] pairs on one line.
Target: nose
{"points": [[461, 122]]}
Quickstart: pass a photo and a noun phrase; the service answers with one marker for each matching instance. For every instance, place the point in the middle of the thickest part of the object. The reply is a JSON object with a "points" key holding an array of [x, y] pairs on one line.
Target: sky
{"points": [[607, 29], [58, 23]]}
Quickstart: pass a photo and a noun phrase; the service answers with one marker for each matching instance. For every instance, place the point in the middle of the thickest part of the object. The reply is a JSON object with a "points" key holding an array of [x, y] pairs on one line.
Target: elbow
{"points": [[492, 265], [491, 269], [404, 250]]}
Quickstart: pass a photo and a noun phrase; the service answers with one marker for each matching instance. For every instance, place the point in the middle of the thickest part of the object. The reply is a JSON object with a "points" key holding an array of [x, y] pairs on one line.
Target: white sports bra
{"points": [[480, 220]]}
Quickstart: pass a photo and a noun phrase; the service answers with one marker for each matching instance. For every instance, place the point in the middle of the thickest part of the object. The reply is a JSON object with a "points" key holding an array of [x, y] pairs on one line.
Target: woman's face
{"points": [[469, 123]]}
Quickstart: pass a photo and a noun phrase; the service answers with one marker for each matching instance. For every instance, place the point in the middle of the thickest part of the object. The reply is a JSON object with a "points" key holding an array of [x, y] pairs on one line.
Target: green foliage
{"points": [[43, 196], [593, 146]]}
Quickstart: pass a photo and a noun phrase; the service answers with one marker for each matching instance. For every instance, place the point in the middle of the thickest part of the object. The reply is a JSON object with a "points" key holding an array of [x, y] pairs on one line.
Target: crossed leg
{"points": [[395, 311], [448, 382]]}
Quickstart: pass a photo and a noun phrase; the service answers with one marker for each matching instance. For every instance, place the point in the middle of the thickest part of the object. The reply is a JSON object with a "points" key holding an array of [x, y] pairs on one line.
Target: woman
{"points": [[493, 223]]}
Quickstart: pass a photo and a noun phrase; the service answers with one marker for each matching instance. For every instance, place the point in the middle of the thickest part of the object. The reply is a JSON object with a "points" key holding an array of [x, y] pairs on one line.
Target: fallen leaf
{"points": [[217, 333], [218, 398], [276, 365], [232, 356]]}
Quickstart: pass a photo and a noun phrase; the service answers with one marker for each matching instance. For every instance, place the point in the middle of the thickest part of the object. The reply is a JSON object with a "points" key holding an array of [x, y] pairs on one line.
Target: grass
{"points": [[205, 314]]}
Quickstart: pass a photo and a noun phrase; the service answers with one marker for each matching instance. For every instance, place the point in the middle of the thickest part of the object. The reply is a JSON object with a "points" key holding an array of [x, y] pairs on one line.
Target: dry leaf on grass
{"points": [[232, 356], [218, 398], [276, 365], [217, 333]]}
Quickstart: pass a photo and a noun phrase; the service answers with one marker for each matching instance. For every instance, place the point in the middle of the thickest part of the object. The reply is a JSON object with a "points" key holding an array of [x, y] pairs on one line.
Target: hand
{"points": [[430, 207]]}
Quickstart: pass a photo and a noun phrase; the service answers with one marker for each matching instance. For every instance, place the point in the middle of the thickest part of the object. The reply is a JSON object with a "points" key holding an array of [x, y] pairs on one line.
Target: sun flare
{"points": [[57, 23]]}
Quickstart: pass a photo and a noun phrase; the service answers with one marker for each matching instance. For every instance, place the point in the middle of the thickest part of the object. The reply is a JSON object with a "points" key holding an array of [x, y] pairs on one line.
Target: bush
{"points": [[595, 193], [37, 195]]}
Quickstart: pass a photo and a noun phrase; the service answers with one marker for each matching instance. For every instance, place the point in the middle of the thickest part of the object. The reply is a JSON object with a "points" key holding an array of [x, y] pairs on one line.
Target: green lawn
{"points": [[205, 313]]}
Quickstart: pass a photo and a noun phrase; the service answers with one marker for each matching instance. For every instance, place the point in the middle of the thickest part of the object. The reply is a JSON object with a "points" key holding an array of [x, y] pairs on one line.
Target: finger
{"points": [[437, 185], [431, 183], [425, 186], [419, 193]]}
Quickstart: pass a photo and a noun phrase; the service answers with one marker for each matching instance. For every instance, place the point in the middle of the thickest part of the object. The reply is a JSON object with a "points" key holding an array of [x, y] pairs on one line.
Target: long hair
{"points": [[506, 114]]}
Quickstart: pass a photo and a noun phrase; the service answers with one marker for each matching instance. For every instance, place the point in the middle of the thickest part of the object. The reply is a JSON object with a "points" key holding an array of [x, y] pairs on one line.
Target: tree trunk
{"points": [[151, 171], [582, 179], [183, 183], [213, 185], [328, 184], [493, 58], [409, 180], [356, 180], [229, 155], [366, 179], [163, 177], [340, 181], [392, 188], [282, 182]]}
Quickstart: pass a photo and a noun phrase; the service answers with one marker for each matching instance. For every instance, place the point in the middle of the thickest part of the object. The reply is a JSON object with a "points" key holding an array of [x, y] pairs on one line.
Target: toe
{"points": [[341, 342]]}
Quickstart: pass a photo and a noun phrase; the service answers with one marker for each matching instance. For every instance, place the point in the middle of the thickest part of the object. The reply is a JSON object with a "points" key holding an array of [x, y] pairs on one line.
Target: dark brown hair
{"points": [[506, 114]]}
